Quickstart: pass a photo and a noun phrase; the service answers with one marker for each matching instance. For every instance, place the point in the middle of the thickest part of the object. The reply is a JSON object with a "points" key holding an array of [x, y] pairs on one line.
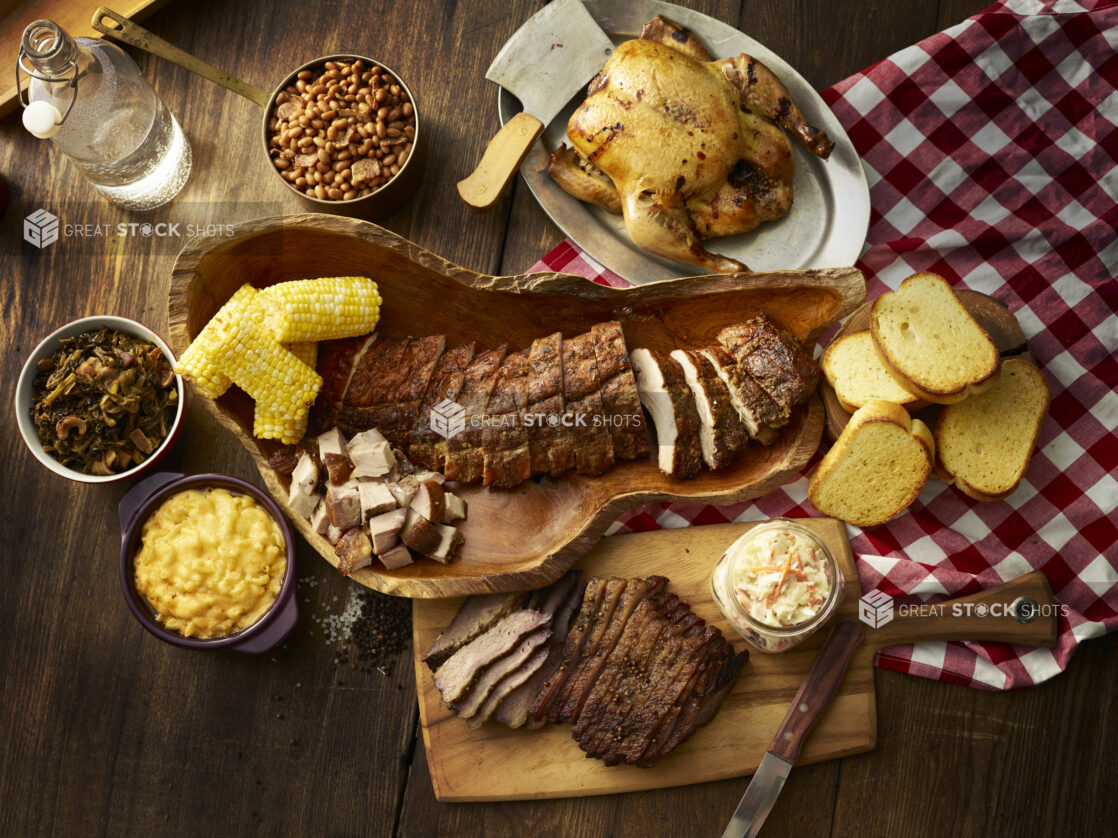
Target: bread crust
{"points": [[874, 413], [1031, 425], [835, 376], [907, 378]]}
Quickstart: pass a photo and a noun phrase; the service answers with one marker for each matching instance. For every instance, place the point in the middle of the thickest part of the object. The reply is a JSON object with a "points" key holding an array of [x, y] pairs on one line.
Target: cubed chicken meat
{"points": [[385, 530], [372, 459], [430, 501], [305, 474], [354, 551], [343, 503], [397, 557], [338, 468], [455, 508], [301, 503], [331, 442], [404, 490], [375, 498], [320, 518]]}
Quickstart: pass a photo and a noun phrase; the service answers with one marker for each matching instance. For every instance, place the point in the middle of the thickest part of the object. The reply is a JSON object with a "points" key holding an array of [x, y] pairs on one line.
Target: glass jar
{"points": [[751, 584]]}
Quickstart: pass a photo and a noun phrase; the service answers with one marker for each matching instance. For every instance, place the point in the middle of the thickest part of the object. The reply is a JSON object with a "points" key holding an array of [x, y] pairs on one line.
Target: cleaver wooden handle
{"points": [[1022, 611], [503, 156]]}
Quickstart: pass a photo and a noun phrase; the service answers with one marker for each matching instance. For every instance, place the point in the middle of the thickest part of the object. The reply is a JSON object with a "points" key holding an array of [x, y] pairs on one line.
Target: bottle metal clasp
{"points": [[70, 77]]}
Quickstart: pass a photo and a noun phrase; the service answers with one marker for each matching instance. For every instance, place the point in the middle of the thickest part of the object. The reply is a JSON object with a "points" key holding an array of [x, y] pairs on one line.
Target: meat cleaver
{"points": [[557, 51]]}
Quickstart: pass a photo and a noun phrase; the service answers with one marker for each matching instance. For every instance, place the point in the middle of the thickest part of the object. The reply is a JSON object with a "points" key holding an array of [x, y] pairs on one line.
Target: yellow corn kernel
{"points": [[271, 421], [256, 363], [320, 309], [305, 352], [202, 360]]}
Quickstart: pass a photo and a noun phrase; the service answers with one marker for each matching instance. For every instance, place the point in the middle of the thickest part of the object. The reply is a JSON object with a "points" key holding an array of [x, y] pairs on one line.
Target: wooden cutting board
{"points": [[496, 763]]}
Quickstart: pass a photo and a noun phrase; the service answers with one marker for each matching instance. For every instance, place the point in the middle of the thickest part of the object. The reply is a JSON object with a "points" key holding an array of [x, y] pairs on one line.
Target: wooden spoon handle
{"points": [[124, 30], [1022, 611], [484, 186], [817, 689]]}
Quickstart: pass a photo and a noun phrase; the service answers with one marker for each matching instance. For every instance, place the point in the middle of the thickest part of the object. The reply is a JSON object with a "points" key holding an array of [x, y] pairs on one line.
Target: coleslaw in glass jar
{"points": [[777, 584]]}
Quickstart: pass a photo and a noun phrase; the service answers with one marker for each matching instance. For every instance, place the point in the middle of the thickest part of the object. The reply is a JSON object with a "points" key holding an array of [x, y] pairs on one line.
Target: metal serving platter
{"points": [[826, 226]]}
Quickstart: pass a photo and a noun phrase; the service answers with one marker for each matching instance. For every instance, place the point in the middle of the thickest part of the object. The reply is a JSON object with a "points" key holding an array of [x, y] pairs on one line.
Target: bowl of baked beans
{"points": [[342, 132]]}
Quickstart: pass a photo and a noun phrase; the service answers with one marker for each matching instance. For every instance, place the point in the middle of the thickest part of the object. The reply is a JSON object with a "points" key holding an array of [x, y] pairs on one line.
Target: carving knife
{"points": [[819, 686], [1021, 611], [557, 51]]}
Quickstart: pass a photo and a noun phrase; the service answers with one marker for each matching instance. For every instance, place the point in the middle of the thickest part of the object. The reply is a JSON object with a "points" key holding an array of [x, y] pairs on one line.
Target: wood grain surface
{"points": [[496, 763], [106, 731], [425, 294]]}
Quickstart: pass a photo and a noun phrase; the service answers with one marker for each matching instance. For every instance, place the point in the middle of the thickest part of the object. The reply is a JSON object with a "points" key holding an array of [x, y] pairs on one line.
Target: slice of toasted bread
{"points": [[930, 343], [858, 375], [984, 443], [876, 468]]}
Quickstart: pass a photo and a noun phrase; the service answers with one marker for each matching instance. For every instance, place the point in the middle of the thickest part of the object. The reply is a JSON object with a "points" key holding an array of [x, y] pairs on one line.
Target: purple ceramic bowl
{"points": [[267, 632]]}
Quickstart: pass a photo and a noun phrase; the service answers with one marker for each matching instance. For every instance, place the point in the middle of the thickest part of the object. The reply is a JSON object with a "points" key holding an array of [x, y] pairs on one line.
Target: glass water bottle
{"points": [[91, 100]]}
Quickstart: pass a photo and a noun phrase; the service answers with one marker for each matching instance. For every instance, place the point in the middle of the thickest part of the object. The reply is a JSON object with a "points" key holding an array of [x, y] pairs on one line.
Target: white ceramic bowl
{"points": [[48, 347]]}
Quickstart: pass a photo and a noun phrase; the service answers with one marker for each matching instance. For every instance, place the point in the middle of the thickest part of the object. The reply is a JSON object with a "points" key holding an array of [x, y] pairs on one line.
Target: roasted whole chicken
{"points": [[684, 147]]}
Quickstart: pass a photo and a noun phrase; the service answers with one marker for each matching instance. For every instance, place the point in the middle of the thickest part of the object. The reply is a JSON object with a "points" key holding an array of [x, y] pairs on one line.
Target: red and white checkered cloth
{"points": [[991, 153]]}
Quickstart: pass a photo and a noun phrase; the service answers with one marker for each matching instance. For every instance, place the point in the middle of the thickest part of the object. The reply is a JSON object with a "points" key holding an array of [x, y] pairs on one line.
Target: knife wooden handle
{"points": [[503, 156], [815, 692], [1022, 611]]}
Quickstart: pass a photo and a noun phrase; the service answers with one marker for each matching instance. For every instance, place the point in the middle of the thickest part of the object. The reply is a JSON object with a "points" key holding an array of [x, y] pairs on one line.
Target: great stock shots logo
{"points": [[875, 609], [40, 228], [448, 418]]}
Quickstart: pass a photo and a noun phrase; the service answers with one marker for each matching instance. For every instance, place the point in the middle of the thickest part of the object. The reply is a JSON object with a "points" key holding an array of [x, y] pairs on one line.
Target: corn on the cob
{"points": [[305, 352], [271, 421], [256, 363], [203, 359], [320, 309]]}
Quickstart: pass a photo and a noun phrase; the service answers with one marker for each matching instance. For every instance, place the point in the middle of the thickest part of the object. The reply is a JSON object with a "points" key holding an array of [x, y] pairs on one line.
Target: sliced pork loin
{"points": [[459, 672], [774, 357], [666, 396], [620, 400], [756, 408], [477, 615], [593, 453], [446, 381], [722, 434]]}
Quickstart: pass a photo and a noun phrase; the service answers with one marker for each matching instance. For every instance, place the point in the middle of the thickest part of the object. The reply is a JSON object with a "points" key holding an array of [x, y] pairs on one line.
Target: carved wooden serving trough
{"points": [[525, 537]]}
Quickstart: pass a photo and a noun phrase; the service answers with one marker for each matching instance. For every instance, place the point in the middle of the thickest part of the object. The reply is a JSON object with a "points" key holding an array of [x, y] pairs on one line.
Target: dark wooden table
{"points": [[106, 731]]}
